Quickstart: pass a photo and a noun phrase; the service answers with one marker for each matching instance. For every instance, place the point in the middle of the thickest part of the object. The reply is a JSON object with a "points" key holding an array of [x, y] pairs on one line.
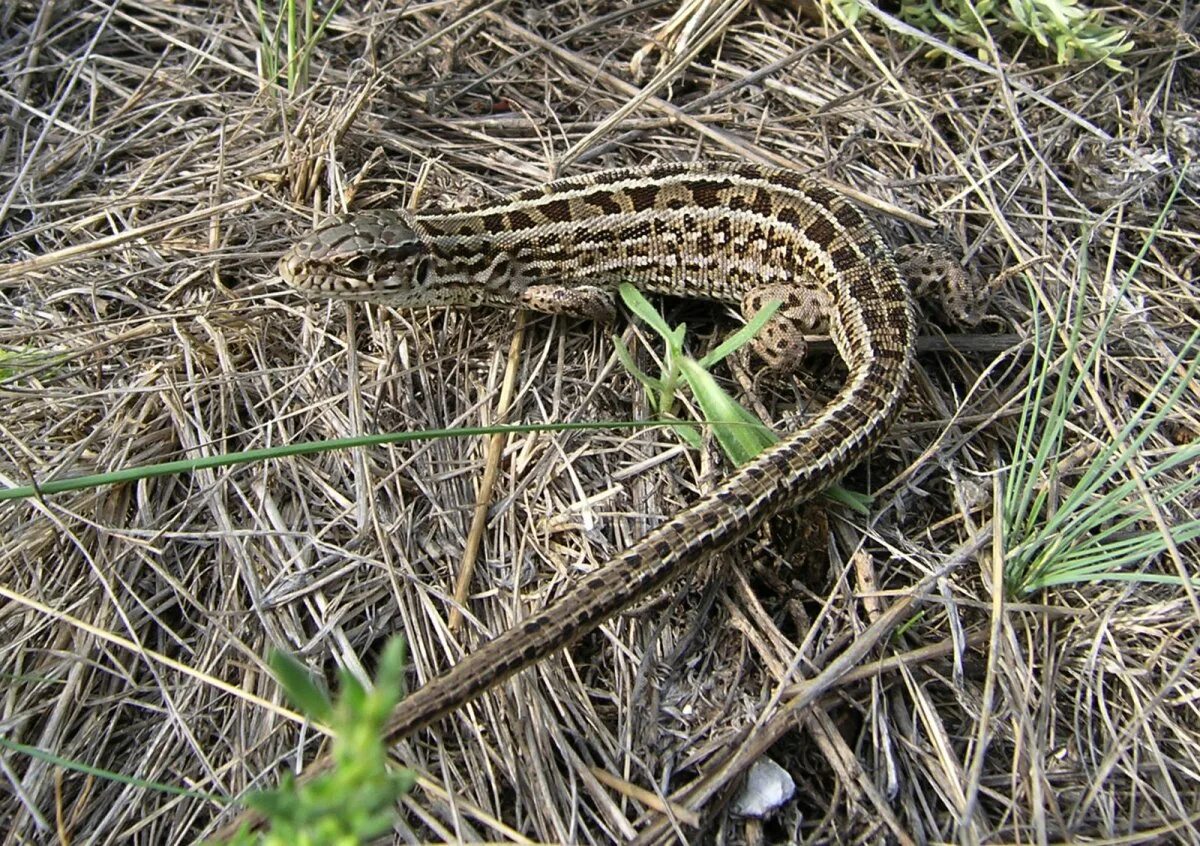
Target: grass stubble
{"points": [[153, 178]]}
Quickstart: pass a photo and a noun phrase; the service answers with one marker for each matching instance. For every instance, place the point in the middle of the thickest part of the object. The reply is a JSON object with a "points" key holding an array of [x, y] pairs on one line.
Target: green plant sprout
{"points": [[355, 800], [286, 47], [739, 433], [1074, 31]]}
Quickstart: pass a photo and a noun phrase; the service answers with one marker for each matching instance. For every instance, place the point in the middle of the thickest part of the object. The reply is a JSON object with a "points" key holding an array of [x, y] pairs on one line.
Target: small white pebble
{"points": [[768, 786]]}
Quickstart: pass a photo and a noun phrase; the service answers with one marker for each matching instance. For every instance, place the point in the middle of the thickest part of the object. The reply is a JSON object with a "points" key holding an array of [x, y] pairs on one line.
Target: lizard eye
{"points": [[358, 266]]}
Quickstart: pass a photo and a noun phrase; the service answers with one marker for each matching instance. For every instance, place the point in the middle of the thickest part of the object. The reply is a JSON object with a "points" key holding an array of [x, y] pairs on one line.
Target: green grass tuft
{"points": [[739, 433], [1073, 521], [1071, 30], [287, 43]]}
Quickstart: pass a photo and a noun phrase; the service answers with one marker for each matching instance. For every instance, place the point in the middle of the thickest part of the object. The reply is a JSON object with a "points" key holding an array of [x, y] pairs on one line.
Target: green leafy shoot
{"points": [[355, 801], [739, 433], [1071, 30], [1070, 521], [286, 47]]}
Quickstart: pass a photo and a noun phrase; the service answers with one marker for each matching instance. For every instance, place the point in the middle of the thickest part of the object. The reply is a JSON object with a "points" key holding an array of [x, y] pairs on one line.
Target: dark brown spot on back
{"points": [[821, 231], [737, 203], [761, 202], [844, 258], [432, 229], [604, 202], [706, 193], [846, 215], [788, 215], [643, 196], [518, 219], [820, 195], [558, 211]]}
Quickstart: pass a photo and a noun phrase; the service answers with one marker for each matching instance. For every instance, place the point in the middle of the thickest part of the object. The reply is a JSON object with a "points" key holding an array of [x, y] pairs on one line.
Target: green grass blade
{"points": [[98, 772], [740, 434], [637, 303], [208, 462], [741, 336]]}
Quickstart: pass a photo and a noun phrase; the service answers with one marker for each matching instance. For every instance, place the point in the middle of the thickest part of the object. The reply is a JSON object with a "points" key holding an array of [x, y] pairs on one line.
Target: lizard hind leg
{"points": [[803, 310], [935, 276]]}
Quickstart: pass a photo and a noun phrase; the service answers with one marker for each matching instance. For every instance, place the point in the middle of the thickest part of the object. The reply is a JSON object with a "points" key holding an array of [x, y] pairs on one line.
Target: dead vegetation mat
{"points": [[151, 180]]}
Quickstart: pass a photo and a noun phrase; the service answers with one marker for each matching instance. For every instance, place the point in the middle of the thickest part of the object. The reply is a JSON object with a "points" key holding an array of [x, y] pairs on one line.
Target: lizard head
{"points": [[368, 255]]}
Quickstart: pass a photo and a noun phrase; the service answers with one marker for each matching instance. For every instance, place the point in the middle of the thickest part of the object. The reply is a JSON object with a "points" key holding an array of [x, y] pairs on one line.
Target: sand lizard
{"points": [[739, 234]]}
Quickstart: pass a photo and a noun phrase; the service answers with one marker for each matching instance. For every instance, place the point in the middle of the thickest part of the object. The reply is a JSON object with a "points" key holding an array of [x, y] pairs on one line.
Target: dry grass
{"points": [[149, 184]]}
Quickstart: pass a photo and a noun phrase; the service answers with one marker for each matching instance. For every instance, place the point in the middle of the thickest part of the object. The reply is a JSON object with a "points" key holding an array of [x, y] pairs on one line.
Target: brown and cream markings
{"points": [[739, 234]]}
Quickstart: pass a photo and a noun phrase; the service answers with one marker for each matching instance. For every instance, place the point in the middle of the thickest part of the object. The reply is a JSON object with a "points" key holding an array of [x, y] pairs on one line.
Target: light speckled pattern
{"points": [[735, 233]]}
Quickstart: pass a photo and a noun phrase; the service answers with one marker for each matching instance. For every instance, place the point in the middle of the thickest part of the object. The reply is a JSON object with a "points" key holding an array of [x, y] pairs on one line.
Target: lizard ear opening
{"points": [[422, 271]]}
